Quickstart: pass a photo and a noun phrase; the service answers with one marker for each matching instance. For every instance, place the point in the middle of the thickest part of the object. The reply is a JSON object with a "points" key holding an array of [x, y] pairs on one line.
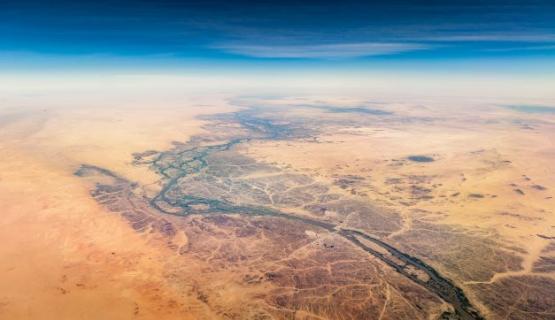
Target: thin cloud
{"points": [[323, 51], [523, 48], [493, 38]]}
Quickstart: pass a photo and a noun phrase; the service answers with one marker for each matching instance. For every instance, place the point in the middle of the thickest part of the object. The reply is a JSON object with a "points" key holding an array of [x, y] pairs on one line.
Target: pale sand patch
{"points": [[63, 257]]}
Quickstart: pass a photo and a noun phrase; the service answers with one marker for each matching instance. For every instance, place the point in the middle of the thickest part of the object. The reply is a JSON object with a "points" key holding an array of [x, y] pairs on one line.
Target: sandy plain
{"points": [[64, 255]]}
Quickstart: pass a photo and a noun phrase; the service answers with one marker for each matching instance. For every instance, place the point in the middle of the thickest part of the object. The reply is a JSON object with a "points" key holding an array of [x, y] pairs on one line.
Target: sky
{"points": [[489, 36]]}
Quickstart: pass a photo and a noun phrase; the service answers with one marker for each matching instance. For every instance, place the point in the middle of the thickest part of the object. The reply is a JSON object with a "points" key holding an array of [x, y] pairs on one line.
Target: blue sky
{"points": [[344, 34]]}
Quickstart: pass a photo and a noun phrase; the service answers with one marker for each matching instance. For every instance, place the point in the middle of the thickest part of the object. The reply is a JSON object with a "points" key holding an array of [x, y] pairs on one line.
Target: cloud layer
{"points": [[323, 51]]}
